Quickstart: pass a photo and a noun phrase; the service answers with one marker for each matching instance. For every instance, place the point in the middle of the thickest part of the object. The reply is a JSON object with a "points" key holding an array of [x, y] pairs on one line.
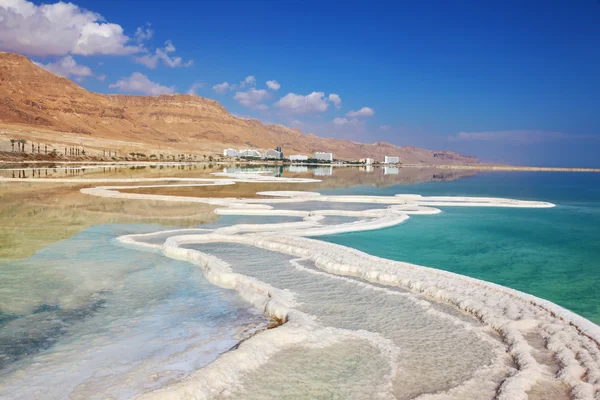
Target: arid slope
{"points": [[35, 100]]}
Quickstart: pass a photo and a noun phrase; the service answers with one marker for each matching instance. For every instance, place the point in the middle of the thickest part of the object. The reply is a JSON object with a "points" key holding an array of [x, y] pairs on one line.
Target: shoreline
{"points": [[475, 167]]}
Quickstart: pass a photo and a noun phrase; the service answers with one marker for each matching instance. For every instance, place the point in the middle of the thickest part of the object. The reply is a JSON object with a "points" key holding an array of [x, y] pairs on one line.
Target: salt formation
{"points": [[544, 350]]}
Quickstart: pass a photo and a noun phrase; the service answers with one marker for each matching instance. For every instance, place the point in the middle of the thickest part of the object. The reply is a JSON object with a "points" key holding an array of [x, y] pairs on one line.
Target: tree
{"points": [[12, 143], [210, 158]]}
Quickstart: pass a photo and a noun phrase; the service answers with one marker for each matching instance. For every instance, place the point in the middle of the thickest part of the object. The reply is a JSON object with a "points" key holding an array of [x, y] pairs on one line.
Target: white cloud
{"points": [[385, 127], [250, 80], [345, 121], [195, 87], [139, 83], [363, 112], [273, 85], [142, 34], [67, 66], [151, 61], [299, 104], [101, 77], [252, 98], [59, 29], [336, 100], [221, 88]]}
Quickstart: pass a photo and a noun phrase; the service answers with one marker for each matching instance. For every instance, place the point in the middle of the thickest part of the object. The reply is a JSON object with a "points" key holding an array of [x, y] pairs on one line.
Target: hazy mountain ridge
{"points": [[33, 97]]}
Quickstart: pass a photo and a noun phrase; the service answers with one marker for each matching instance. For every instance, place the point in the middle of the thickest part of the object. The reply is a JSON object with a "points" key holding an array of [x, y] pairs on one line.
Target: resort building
{"points": [[231, 153], [298, 157], [323, 156], [367, 161], [250, 153], [272, 155], [391, 160]]}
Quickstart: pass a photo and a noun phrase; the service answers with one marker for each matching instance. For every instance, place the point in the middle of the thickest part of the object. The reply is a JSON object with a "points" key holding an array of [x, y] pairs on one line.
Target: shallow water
{"points": [[114, 321], [111, 322]]}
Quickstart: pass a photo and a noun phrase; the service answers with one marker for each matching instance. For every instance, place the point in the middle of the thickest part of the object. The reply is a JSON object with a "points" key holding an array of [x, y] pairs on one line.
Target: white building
{"points": [[272, 155], [298, 157], [323, 156], [391, 160], [367, 161], [250, 153], [231, 153]]}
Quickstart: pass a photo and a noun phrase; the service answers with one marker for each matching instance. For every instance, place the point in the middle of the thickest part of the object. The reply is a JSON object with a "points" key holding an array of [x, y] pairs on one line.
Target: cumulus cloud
{"points": [[363, 112], [252, 98], [345, 121], [249, 81], [139, 83], [67, 66], [299, 104], [336, 100], [142, 34], [151, 61], [221, 88], [273, 85], [59, 29], [195, 87]]}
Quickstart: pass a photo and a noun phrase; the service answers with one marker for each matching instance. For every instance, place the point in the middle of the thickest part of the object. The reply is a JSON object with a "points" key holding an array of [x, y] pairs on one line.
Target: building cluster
{"points": [[277, 154]]}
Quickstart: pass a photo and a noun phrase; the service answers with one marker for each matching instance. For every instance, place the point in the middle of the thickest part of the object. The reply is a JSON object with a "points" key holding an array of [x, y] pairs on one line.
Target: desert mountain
{"points": [[42, 106]]}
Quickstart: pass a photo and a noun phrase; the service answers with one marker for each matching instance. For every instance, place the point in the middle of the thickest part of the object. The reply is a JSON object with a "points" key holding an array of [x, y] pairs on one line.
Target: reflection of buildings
{"points": [[237, 170], [391, 160], [391, 170], [367, 161], [323, 171], [298, 157], [298, 168], [323, 156], [366, 168]]}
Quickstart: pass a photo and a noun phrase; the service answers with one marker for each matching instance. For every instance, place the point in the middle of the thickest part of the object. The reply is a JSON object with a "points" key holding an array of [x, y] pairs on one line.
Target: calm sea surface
{"points": [[550, 253]]}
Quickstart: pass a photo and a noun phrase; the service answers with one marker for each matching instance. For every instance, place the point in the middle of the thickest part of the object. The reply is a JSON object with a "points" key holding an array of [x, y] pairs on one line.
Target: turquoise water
{"points": [[550, 253]]}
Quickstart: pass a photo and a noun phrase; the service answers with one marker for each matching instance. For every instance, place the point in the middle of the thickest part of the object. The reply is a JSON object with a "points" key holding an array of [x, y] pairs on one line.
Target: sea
{"points": [[89, 318]]}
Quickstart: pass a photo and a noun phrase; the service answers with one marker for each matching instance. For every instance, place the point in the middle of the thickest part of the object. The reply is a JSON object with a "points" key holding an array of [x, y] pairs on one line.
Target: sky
{"points": [[507, 81]]}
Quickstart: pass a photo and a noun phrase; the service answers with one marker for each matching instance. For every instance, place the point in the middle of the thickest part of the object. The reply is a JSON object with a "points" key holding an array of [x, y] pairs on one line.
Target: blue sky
{"points": [[510, 81]]}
